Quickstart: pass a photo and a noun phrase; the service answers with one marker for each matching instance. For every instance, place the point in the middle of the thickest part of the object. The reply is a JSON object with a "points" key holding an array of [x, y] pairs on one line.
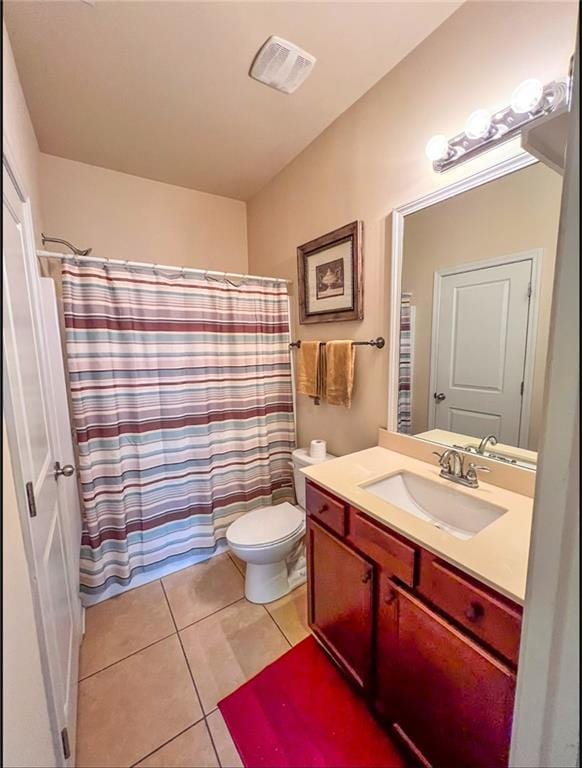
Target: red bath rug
{"points": [[300, 712]]}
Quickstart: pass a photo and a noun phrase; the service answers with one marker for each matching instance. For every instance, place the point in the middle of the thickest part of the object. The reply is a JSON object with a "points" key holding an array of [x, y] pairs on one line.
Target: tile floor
{"points": [[155, 661]]}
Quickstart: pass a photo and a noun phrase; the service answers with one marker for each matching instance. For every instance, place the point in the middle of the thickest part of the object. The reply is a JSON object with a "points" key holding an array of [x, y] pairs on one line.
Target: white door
{"points": [[28, 400], [481, 332]]}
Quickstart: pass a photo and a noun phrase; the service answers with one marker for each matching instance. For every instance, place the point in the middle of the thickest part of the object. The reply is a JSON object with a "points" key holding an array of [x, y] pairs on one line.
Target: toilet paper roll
{"points": [[317, 449]]}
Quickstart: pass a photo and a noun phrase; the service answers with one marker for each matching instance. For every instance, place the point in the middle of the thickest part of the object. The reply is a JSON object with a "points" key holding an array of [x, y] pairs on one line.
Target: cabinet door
{"points": [[454, 701], [340, 602], [385, 693]]}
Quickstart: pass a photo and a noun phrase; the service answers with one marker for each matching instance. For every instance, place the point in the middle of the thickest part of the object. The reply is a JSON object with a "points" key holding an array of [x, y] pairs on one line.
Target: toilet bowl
{"points": [[268, 537]]}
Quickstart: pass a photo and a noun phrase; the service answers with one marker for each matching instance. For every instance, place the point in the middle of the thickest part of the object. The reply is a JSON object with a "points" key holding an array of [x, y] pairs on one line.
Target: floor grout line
{"points": [[212, 739], [129, 655], [278, 627], [192, 677], [169, 741], [208, 615], [236, 565], [149, 645]]}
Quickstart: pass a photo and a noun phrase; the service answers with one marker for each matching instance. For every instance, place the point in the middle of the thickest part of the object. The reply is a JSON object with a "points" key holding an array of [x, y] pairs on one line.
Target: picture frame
{"points": [[330, 276]]}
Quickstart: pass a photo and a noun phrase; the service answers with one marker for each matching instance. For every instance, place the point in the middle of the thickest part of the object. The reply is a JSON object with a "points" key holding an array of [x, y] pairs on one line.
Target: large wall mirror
{"points": [[476, 279]]}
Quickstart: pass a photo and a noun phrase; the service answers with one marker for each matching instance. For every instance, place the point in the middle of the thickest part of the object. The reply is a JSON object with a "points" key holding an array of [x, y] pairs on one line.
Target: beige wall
{"points": [[371, 159], [127, 217], [18, 134], [517, 213]]}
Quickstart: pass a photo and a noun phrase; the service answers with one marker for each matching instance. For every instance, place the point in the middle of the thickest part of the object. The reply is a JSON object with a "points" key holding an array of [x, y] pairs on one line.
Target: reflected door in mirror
{"points": [[481, 317]]}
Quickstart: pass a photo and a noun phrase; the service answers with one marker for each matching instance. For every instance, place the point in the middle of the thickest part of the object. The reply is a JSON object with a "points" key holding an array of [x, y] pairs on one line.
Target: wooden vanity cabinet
{"points": [[340, 601], [434, 650], [444, 695], [490, 618]]}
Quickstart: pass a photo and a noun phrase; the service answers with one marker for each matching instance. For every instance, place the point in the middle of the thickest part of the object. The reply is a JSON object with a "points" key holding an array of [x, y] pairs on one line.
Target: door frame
{"points": [[10, 165], [535, 256], [547, 706]]}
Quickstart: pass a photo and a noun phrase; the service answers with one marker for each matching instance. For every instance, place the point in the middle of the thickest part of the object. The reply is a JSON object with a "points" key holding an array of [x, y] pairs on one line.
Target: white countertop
{"points": [[497, 555]]}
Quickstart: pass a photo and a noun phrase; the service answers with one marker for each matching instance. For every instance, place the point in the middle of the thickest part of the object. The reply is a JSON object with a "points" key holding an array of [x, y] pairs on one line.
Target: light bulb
{"points": [[527, 96], [478, 124], [437, 148]]}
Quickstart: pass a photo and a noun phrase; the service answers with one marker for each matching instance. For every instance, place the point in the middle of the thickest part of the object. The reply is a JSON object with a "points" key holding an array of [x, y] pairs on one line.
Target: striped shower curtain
{"points": [[406, 351], [183, 409]]}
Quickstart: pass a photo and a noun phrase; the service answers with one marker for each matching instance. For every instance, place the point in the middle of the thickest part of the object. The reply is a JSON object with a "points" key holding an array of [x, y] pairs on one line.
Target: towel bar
{"points": [[378, 343]]}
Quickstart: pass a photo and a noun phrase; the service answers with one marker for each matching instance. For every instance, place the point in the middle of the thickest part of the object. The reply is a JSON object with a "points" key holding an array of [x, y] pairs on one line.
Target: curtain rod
{"points": [[148, 265]]}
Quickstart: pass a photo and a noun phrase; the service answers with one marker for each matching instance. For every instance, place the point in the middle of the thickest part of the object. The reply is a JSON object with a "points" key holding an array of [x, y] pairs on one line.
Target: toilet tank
{"points": [[301, 458]]}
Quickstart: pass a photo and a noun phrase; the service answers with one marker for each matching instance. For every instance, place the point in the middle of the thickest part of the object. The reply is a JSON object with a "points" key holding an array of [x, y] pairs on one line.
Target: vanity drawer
{"points": [[396, 557], [326, 509], [490, 617]]}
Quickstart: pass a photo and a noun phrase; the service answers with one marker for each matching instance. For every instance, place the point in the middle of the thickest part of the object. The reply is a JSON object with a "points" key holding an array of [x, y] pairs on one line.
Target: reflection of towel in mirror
{"points": [[339, 380], [311, 369]]}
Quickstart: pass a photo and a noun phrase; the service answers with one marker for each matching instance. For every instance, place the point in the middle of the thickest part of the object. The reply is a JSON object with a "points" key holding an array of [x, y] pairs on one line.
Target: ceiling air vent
{"points": [[282, 65]]}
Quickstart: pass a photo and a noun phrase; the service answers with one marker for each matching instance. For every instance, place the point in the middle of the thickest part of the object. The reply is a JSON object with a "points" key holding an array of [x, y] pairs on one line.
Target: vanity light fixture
{"points": [[530, 101], [527, 96], [478, 125], [438, 148]]}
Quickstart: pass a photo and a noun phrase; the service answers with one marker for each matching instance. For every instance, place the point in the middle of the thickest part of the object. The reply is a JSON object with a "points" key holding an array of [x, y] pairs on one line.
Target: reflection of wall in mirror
{"points": [[512, 214]]}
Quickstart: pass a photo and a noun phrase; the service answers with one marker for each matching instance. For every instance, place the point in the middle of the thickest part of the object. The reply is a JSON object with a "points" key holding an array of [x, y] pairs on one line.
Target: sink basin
{"points": [[457, 513]]}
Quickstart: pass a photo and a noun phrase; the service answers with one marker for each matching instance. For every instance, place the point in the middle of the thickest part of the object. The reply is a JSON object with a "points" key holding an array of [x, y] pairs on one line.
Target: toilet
{"points": [[270, 541]]}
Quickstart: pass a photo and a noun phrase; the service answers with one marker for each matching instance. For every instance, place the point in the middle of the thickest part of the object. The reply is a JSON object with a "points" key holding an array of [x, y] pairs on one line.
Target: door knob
{"points": [[439, 396], [66, 471], [367, 576]]}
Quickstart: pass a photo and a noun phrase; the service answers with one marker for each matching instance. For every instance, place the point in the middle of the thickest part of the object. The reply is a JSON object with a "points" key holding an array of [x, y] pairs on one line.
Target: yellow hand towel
{"points": [[339, 381], [309, 369]]}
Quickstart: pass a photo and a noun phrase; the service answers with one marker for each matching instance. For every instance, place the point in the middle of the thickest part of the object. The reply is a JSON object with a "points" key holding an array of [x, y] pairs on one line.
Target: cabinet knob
{"points": [[475, 611], [391, 596], [322, 509], [367, 576]]}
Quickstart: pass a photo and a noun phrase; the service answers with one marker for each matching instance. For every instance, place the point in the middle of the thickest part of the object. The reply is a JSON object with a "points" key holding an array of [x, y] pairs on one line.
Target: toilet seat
{"points": [[266, 526]]}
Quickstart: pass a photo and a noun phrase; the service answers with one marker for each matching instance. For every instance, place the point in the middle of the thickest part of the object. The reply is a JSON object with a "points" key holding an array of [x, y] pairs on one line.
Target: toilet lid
{"points": [[266, 525]]}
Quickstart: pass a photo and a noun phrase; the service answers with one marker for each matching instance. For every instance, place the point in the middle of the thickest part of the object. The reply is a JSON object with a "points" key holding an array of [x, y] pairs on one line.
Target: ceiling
{"points": [[160, 89]]}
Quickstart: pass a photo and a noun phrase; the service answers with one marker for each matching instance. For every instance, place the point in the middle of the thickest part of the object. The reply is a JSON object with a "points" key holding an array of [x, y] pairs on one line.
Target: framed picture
{"points": [[330, 276]]}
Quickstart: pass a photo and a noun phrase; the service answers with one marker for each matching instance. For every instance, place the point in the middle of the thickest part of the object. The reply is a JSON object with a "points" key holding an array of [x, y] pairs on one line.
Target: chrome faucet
{"points": [[451, 462], [452, 465], [484, 443]]}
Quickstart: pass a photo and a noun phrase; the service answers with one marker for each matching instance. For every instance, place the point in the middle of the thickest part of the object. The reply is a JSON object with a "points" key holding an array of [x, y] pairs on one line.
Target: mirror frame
{"points": [[520, 160]]}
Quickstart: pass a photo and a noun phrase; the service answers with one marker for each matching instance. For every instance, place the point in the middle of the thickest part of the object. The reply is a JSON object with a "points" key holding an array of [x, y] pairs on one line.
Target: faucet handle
{"points": [[473, 468], [440, 455]]}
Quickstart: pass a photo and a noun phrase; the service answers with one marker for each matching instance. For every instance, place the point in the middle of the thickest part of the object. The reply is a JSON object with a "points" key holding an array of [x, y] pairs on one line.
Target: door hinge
{"points": [[31, 500], [529, 290], [521, 388], [66, 745]]}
